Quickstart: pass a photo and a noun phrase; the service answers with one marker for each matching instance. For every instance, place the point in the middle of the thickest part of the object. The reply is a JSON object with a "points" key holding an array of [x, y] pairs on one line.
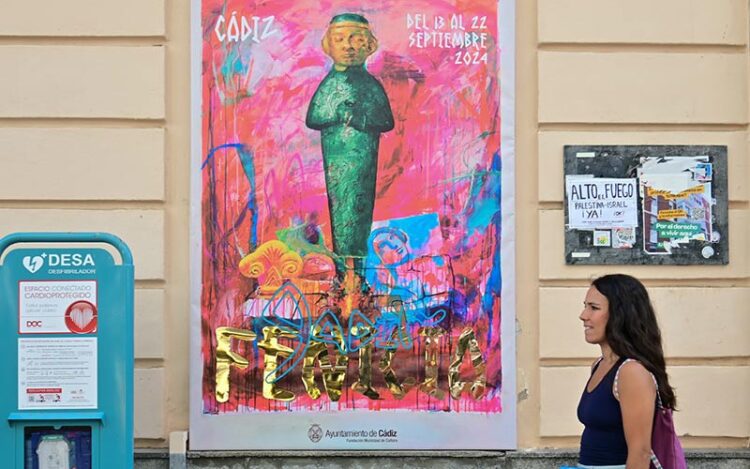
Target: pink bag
{"points": [[666, 450]]}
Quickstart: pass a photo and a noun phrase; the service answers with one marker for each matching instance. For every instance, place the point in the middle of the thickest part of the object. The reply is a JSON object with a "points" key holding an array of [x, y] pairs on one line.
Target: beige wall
{"points": [[636, 72], [94, 135], [94, 103]]}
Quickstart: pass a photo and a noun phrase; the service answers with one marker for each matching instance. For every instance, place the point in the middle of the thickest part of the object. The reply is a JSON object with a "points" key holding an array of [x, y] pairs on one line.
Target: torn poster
{"points": [[677, 202]]}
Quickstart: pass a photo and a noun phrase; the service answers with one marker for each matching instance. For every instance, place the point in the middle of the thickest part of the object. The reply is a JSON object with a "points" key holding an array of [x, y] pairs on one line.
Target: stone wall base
{"points": [[525, 459]]}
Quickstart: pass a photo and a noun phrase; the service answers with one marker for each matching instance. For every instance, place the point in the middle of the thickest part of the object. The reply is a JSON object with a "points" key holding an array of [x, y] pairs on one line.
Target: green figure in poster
{"points": [[351, 110]]}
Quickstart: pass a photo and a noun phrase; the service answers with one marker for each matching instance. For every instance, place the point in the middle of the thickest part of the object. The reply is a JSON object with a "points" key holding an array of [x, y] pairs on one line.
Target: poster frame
{"points": [[241, 431]]}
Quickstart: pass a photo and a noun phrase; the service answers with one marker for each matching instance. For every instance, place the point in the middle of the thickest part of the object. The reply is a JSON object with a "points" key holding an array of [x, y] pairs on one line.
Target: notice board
{"points": [[646, 204]]}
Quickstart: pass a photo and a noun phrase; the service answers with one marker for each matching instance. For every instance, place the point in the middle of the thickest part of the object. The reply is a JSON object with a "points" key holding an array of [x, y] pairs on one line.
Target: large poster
{"points": [[352, 258]]}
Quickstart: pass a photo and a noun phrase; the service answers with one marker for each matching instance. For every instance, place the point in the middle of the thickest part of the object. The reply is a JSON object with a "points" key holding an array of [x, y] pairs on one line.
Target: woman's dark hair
{"points": [[632, 330]]}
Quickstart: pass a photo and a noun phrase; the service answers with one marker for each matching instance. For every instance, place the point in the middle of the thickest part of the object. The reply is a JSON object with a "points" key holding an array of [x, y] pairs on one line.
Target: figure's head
{"points": [[390, 245], [349, 40]]}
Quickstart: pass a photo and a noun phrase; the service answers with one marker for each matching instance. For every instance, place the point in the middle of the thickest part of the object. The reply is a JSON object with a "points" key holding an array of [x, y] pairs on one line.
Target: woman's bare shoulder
{"points": [[633, 376]]}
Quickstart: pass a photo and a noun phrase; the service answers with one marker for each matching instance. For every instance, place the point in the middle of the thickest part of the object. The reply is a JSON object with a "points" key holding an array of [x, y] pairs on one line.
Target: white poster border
{"points": [[239, 432]]}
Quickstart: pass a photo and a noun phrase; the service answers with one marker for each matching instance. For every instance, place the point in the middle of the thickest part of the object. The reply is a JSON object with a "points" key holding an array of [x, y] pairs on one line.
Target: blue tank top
{"points": [[603, 440]]}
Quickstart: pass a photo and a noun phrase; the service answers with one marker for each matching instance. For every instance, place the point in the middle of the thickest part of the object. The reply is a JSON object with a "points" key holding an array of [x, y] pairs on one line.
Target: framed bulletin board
{"points": [[660, 204]]}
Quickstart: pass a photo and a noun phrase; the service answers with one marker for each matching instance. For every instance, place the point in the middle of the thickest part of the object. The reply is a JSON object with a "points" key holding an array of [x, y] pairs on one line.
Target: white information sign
{"points": [[57, 373], [57, 307], [601, 202]]}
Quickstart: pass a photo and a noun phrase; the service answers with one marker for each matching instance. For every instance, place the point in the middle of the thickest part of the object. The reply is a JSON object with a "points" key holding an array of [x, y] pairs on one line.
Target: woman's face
{"points": [[595, 315]]}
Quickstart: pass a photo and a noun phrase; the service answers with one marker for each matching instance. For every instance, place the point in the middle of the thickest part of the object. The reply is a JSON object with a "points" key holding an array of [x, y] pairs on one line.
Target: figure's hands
{"points": [[351, 115], [358, 121], [345, 111]]}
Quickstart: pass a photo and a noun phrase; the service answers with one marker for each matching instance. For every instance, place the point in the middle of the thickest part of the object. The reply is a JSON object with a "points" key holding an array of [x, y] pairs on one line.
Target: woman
{"points": [[618, 316]]}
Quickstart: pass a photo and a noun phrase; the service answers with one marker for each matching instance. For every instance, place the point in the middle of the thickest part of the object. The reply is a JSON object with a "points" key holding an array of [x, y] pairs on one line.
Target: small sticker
{"points": [[602, 238], [586, 154], [674, 213], [623, 238], [707, 252], [678, 230], [703, 172], [580, 254]]}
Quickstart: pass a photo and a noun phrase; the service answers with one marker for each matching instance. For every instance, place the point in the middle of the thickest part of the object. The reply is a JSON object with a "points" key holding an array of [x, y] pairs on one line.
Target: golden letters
{"points": [[467, 341], [431, 342], [226, 358], [334, 372], [333, 375], [270, 344]]}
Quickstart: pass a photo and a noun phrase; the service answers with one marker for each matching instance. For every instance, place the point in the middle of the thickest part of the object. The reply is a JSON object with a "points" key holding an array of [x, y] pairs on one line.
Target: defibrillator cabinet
{"points": [[66, 338]]}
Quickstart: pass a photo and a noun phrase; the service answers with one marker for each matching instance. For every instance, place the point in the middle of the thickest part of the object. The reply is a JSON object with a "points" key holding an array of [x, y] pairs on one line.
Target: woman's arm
{"points": [[637, 394]]}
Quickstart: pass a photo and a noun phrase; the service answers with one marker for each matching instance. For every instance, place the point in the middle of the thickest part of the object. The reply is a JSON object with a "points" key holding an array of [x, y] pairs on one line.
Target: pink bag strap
{"points": [[655, 461]]}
